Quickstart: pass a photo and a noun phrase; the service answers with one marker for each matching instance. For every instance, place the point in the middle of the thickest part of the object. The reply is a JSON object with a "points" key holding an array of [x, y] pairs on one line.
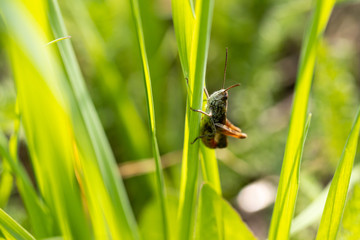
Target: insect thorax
{"points": [[217, 109]]}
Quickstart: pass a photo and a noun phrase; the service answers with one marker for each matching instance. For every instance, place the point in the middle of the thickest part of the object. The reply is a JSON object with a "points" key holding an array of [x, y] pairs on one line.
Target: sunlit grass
{"points": [[77, 191], [289, 178], [151, 115], [335, 203]]}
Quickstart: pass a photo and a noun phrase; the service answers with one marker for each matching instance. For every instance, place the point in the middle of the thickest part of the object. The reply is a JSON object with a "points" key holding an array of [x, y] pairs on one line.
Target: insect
{"points": [[214, 126]]}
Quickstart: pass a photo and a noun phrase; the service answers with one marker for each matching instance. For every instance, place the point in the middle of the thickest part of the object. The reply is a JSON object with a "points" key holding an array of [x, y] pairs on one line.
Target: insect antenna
{"points": [[226, 57], [206, 93], [235, 85]]}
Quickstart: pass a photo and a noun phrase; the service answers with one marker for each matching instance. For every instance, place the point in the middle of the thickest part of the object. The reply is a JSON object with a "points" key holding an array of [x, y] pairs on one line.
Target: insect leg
{"points": [[200, 111], [230, 132], [202, 136]]}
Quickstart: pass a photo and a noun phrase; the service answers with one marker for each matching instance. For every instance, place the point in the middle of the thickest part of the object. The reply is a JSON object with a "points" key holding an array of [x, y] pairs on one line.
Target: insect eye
{"points": [[225, 97]]}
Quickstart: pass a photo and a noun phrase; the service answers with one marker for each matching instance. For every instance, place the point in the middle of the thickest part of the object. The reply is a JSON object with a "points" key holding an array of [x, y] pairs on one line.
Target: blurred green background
{"points": [[264, 39]]}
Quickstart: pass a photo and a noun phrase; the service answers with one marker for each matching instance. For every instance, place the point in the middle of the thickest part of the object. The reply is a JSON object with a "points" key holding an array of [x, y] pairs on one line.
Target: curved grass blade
{"points": [[58, 39], [288, 185], [335, 201], [43, 109], [94, 157], [12, 229], [151, 116]]}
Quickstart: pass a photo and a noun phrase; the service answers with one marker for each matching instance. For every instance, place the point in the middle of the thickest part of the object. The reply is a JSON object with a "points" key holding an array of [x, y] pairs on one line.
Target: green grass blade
{"points": [[350, 222], [210, 170], [115, 89], [189, 172], [216, 219], [288, 185], [335, 201], [312, 213], [183, 18], [6, 182], [44, 115], [12, 229], [114, 201], [35, 207], [151, 116]]}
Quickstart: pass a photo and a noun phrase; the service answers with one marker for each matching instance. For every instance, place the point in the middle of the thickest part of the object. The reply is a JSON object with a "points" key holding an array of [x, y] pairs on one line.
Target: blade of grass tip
{"points": [[12, 229], [151, 115], [335, 202], [122, 213], [189, 171], [288, 187], [58, 39]]}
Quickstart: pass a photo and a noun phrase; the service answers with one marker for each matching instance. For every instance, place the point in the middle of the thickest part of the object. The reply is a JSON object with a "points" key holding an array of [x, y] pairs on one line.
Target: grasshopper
{"points": [[214, 126]]}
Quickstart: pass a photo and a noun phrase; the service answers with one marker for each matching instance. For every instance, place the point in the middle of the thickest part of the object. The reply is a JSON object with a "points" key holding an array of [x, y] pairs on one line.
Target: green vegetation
{"points": [[82, 157]]}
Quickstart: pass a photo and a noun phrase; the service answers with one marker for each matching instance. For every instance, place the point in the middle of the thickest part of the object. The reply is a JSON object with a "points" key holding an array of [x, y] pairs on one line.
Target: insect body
{"points": [[214, 126]]}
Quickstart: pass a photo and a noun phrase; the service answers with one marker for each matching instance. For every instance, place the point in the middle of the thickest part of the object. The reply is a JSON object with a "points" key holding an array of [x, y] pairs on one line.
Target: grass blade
{"points": [[12, 229], [189, 172], [114, 201], [210, 170], [288, 185], [216, 219], [6, 182], [35, 207], [351, 221], [335, 202], [312, 213], [183, 19], [43, 108], [151, 116], [115, 89]]}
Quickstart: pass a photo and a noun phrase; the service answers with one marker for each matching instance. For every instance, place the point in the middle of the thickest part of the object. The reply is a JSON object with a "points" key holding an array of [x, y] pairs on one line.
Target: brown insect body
{"points": [[214, 126]]}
